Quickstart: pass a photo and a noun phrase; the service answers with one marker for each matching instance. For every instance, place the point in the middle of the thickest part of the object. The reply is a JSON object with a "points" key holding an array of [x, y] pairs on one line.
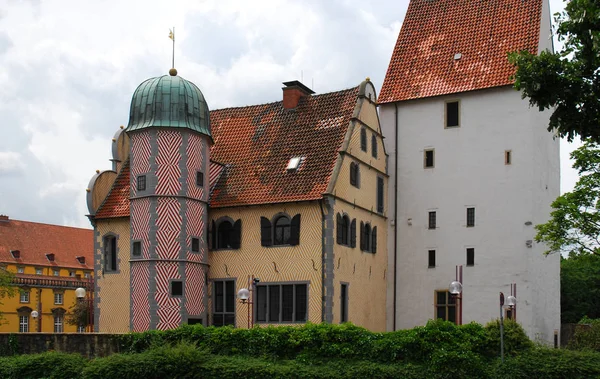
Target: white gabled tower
{"points": [[460, 137]]}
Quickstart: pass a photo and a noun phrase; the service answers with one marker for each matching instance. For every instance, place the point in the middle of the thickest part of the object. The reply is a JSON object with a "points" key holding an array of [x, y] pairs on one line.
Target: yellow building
{"points": [[49, 262], [285, 200]]}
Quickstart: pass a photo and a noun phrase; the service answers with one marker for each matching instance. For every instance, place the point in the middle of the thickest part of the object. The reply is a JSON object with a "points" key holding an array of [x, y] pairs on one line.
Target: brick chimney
{"points": [[293, 92]]}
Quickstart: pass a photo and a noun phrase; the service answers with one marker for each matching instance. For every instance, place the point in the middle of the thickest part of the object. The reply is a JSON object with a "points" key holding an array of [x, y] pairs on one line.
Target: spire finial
{"points": [[172, 71]]}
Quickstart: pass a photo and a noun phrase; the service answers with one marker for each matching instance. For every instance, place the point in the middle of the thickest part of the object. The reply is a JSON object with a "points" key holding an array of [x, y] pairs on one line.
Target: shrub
{"points": [[45, 365], [587, 335], [515, 339]]}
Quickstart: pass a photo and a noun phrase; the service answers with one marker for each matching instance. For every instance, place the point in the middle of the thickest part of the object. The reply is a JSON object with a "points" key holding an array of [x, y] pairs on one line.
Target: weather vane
{"points": [[173, 71]]}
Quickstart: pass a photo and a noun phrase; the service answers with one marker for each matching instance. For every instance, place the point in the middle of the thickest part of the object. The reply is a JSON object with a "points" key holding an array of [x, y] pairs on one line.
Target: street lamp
{"points": [[511, 303], [35, 315], [243, 296], [80, 294], [455, 290]]}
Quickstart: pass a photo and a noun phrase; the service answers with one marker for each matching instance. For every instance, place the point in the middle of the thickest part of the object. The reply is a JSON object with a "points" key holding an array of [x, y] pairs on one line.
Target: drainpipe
{"points": [[322, 261], [395, 211]]}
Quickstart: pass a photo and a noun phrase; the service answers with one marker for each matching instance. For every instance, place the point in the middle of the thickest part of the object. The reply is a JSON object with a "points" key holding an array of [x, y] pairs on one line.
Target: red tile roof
{"points": [[483, 31], [257, 142], [253, 146], [116, 203], [34, 241]]}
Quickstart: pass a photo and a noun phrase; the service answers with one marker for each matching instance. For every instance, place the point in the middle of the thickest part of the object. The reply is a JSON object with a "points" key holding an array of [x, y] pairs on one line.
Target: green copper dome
{"points": [[169, 101]]}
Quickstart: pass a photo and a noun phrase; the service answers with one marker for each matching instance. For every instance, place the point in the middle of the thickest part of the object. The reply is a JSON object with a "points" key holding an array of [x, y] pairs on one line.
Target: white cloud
{"points": [[10, 162]]}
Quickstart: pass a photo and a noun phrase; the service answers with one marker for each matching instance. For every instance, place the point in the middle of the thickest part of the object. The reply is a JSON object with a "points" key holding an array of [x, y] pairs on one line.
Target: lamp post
{"points": [[455, 290], [244, 296], [35, 315], [511, 302], [84, 296]]}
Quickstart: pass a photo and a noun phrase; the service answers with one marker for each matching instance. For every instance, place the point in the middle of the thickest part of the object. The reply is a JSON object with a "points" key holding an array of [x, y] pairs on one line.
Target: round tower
{"points": [[169, 128]]}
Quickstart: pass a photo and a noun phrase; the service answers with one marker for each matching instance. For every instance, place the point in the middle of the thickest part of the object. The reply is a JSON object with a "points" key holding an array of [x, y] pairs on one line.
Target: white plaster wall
{"points": [[470, 171]]}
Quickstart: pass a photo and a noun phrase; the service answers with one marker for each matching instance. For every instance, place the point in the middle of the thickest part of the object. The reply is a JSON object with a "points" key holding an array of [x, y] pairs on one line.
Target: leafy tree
{"points": [[6, 287], [579, 287], [569, 80], [574, 225], [78, 314]]}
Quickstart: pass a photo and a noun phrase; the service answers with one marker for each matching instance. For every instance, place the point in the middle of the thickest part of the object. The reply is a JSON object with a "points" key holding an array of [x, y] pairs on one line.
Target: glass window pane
{"points": [[440, 313], [287, 308], [301, 302], [218, 320], [218, 296], [441, 298], [261, 303], [229, 296], [451, 299], [229, 319], [452, 314], [274, 303]]}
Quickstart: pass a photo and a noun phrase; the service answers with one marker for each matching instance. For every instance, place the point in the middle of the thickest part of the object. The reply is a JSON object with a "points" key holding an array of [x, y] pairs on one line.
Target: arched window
{"points": [[363, 139], [365, 236], [224, 235], [282, 231], [346, 231], [354, 174]]}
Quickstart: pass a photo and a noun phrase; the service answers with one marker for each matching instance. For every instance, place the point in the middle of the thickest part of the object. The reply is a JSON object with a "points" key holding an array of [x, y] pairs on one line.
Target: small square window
{"points": [[470, 217], [452, 117], [200, 179], [176, 288], [137, 248], [72, 274], [56, 272], [141, 183], [195, 245], [431, 261], [508, 157], [470, 256], [429, 157], [38, 271], [58, 298], [24, 297], [432, 220], [20, 270], [86, 275]]}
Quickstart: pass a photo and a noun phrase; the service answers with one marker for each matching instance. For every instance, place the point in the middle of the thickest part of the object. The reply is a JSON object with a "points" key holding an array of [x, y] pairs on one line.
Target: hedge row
{"points": [[314, 342], [187, 361], [587, 335]]}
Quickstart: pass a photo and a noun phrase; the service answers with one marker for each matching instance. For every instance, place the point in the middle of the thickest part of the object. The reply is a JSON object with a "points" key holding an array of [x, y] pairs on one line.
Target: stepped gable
{"points": [[480, 33]]}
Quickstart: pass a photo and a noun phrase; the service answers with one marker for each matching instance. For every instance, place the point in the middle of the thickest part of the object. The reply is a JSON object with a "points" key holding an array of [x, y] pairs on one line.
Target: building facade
{"points": [[48, 262], [472, 167], [285, 199]]}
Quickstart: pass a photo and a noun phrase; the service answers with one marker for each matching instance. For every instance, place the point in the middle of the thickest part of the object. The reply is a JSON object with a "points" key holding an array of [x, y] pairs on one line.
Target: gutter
{"points": [[395, 212]]}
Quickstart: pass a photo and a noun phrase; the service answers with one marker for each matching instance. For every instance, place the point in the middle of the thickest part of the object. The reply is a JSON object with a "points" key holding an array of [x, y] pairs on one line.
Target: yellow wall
{"points": [[113, 288], [45, 296], [271, 264]]}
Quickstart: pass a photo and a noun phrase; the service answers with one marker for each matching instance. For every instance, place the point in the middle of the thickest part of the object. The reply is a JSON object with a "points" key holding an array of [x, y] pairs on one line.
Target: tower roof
{"points": [[169, 101], [451, 46]]}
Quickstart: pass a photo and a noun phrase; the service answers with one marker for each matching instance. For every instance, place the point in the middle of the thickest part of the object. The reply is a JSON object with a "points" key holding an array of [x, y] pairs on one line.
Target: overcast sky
{"points": [[69, 68]]}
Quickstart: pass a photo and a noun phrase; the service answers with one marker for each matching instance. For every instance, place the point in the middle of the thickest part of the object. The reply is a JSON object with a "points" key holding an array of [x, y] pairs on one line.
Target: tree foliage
{"points": [[6, 287], [569, 80], [78, 313], [580, 287], [574, 225]]}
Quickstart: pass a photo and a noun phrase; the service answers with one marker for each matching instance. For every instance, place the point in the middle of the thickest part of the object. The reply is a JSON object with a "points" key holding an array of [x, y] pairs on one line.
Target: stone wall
{"points": [[88, 345]]}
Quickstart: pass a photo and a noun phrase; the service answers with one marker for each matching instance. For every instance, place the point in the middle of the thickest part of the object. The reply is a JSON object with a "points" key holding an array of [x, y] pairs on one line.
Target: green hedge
{"points": [[46, 365], [587, 335]]}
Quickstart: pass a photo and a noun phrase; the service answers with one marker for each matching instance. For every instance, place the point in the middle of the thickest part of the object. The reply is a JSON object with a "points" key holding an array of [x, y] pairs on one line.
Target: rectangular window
{"points": [[58, 324], [470, 256], [20, 270], [431, 261], [200, 179], [379, 194], [452, 118], [429, 156], [24, 298], [224, 302], [137, 248], [81, 329], [58, 298], [141, 182], [72, 274], [445, 306], [432, 219], [38, 271], [507, 157], [470, 217], [23, 324], [344, 303], [195, 245], [281, 303], [374, 146], [176, 288], [110, 253], [56, 272], [86, 275]]}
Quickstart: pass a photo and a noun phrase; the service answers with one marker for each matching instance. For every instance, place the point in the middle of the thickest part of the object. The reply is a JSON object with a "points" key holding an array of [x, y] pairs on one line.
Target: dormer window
{"points": [[81, 260], [16, 254], [294, 163], [50, 257]]}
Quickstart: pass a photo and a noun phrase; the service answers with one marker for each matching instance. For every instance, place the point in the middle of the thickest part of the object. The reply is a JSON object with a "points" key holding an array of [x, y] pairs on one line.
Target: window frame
{"points": [[432, 220], [172, 283], [363, 139], [59, 325], [136, 248], [24, 296], [470, 252], [110, 265], [141, 182], [60, 296], [380, 195], [39, 271], [295, 300], [450, 302], [56, 272], [458, 115], [20, 269], [283, 241], [470, 217], [355, 174], [431, 258], [344, 302], [374, 146], [23, 323], [224, 313], [195, 241], [507, 157], [199, 179], [432, 151]]}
